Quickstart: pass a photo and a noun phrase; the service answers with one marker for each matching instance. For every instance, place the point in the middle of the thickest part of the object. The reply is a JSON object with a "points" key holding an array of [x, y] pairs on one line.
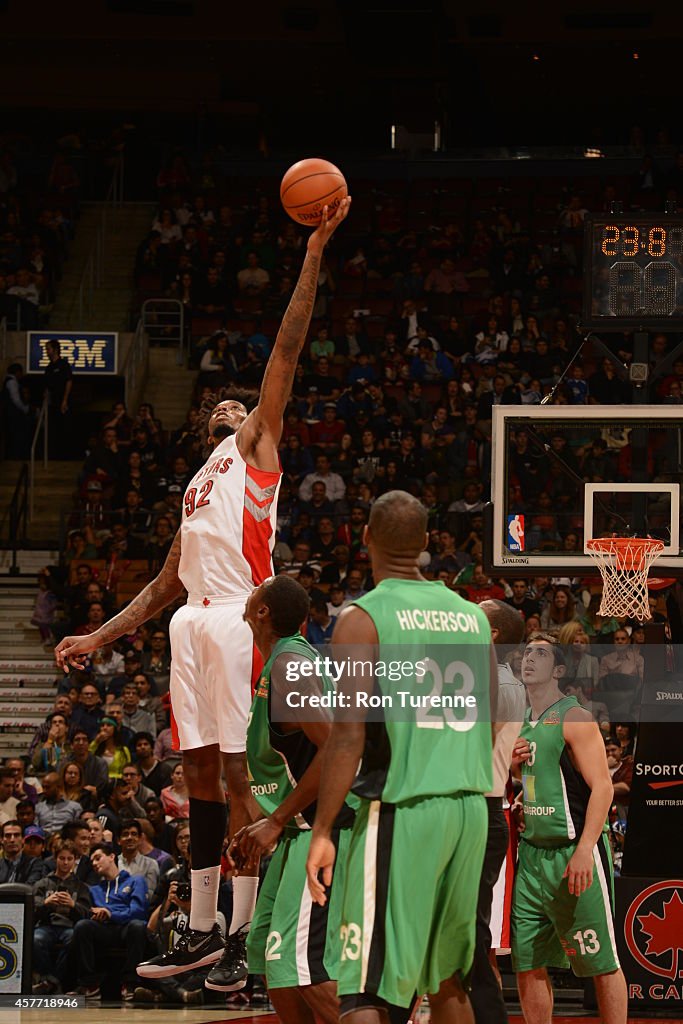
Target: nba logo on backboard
{"points": [[515, 533]]}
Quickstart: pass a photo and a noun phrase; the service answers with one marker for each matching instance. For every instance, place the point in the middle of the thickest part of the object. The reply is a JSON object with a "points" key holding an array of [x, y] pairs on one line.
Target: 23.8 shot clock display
{"points": [[633, 272]]}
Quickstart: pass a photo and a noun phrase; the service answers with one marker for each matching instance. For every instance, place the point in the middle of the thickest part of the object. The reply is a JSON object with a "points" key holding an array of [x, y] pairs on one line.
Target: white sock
{"points": [[204, 905], [244, 889]]}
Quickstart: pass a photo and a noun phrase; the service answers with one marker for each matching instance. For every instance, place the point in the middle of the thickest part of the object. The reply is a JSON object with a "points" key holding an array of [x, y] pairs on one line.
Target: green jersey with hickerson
{"points": [[435, 749]]}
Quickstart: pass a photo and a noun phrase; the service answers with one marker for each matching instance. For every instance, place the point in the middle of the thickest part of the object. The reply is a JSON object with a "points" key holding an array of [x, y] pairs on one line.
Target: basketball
{"points": [[308, 186]]}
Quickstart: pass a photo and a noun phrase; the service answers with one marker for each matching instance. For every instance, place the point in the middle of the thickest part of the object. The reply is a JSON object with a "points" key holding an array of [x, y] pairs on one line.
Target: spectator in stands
{"points": [[27, 294], [320, 622], [106, 662], [108, 744], [23, 790], [353, 341], [132, 664], [561, 609], [53, 810], [60, 900], [25, 813], [48, 755], [17, 419], [133, 776], [447, 559], [335, 486], [163, 746], [607, 387], [621, 769], [147, 848], [94, 768], [522, 602], [105, 462], [78, 833], [16, 865], [58, 385], [131, 860], [35, 844], [596, 625], [160, 543], [327, 434], [624, 660], [163, 832], [88, 712], [95, 617], [118, 805], [253, 280], [354, 584], [118, 919], [581, 667], [156, 774], [136, 718], [481, 588], [157, 661], [175, 798], [71, 781], [149, 701]]}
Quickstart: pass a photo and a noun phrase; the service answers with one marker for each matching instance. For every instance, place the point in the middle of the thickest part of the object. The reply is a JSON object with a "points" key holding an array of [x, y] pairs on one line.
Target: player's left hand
{"points": [[257, 840], [579, 871], [321, 855], [328, 225]]}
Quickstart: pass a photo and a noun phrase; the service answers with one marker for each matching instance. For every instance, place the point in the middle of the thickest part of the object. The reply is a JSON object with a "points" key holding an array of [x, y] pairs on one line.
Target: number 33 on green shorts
{"points": [[550, 927]]}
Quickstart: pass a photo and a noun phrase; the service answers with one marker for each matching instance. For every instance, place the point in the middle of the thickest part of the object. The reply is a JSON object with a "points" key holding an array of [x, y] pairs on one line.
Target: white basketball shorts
{"points": [[212, 660]]}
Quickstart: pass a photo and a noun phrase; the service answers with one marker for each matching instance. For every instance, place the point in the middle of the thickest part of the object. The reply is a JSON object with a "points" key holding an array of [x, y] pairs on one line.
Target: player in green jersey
{"points": [[292, 941], [563, 901], [408, 920]]}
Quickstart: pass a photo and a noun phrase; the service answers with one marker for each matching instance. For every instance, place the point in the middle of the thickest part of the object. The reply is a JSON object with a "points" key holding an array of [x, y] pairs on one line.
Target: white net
{"points": [[624, 563]]}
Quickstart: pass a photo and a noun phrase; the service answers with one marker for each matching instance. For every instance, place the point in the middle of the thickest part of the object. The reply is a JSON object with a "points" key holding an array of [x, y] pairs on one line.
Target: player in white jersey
{"points": [[220, 553]]}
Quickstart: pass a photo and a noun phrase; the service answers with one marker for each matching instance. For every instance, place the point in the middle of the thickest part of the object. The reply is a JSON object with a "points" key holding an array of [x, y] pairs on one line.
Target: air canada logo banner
{"points": [[86, 353], [650, 936]]}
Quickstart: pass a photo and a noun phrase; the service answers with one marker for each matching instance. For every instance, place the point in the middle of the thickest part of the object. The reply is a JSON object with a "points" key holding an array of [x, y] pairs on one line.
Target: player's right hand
{"points": [[521, 752], [321, 855], [71, 651], [329, 224]]}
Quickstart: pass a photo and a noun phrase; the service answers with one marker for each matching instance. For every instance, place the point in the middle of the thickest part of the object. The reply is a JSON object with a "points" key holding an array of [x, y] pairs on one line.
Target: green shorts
{"points": [[410, 899], [551, 928], [292, 940]]}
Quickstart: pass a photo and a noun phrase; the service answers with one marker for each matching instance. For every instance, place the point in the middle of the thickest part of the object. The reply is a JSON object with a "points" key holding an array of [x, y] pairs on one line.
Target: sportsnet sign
{"points": [[86, 353]]}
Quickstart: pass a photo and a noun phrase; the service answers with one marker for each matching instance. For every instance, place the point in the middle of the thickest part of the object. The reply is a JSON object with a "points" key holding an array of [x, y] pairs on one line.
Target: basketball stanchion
{"points": [[624, 563]]}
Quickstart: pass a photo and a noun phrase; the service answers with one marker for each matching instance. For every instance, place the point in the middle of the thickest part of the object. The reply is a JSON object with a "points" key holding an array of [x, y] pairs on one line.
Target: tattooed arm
{"points": [[163, 589], [265, 422]]}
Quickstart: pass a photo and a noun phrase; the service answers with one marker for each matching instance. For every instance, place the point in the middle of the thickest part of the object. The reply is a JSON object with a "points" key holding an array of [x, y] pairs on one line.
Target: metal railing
{"points": [[42, 423], [164, 322], [91, 278], [16, 512], [135, 365]]}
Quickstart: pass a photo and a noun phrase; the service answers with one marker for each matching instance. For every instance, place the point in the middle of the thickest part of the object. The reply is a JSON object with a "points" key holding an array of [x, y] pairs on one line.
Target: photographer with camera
{"points": [[167, 924]]}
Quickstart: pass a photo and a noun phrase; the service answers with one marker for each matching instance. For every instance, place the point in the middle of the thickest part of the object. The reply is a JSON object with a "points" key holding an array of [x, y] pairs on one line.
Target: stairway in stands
{"points": [[27, 672], [169, 387]]}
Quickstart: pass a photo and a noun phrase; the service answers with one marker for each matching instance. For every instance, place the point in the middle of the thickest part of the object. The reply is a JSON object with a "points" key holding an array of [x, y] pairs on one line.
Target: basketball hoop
{"points": [[624, 563]]}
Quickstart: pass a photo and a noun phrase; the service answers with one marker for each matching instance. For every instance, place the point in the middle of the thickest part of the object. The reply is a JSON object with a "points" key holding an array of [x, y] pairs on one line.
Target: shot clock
{"points": [[633, 273]]}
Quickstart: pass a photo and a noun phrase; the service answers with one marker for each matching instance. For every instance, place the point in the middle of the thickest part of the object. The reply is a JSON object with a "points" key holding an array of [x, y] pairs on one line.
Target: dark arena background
{"points": [[505, 294]]}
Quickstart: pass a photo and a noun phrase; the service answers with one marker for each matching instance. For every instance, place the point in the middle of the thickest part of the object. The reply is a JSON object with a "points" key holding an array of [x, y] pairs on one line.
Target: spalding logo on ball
{"points": [[308, 186]]}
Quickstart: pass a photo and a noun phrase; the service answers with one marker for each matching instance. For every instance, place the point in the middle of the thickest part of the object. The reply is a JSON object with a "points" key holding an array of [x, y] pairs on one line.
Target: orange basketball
{"points": [[308, 186]]}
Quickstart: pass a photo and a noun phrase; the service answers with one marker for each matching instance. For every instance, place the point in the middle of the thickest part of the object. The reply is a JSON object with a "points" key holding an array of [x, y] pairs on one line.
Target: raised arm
{"points": [[163, 589], [266, 419]]}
